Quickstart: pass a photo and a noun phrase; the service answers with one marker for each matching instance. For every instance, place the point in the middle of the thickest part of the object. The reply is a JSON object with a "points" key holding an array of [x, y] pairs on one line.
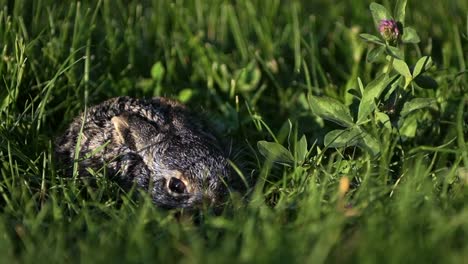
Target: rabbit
{"points": [[156, 144]]}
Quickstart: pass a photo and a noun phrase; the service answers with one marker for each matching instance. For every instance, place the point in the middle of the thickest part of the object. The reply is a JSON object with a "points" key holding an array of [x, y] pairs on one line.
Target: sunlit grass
{"points": [[249, 66]]}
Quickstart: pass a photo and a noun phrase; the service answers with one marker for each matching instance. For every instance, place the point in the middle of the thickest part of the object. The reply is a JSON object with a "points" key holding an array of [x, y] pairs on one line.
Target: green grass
{"points": [[249, 65]]}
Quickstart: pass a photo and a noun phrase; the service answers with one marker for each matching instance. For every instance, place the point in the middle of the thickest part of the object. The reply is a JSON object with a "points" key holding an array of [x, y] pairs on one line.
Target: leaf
{"points": [[301, 149], [275, 152], [371, 38], [379, 12], [342, 138], [383, 119], [426, 82], [374, 53], [157, 71], [393, 86], [422, 65], [394, 52], [416, 104], [400, 10], [248, 78], [352, 137], [410, 35], [372, 91], [402, 68], [361, 86], [370, 144], [185, 95], [408, 126], [331, 109]]}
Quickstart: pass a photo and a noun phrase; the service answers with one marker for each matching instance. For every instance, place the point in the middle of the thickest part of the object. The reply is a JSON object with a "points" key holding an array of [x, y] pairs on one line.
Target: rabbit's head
{"points": [[178, 162]]}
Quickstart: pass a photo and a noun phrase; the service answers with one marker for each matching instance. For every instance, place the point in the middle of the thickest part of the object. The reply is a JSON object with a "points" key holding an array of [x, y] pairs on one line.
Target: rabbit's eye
{"points": [[176, 186]]}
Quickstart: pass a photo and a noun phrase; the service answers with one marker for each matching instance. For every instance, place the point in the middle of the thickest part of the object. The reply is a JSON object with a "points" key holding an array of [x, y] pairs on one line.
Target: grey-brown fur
{"points": [[156, 143]]}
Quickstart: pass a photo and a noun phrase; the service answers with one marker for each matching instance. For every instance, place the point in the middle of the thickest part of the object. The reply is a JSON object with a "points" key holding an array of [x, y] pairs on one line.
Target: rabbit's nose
{"points": [[208, 199], [212, 203]]}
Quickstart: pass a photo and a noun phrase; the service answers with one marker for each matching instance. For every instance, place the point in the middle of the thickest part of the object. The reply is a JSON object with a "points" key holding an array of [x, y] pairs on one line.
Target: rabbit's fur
{"points": [[157, 144]]}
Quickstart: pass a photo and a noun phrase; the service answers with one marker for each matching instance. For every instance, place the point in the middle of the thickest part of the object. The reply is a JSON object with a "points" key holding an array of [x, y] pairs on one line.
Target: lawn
{"points": [[347, 147]]}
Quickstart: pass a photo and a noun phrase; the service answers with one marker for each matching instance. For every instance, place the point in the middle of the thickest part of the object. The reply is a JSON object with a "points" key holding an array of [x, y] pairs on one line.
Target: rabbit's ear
{"points": [[133, 131]]}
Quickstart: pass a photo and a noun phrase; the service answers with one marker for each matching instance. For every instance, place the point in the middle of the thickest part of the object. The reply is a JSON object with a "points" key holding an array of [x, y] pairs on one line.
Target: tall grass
{"points": [[249, 66]]}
